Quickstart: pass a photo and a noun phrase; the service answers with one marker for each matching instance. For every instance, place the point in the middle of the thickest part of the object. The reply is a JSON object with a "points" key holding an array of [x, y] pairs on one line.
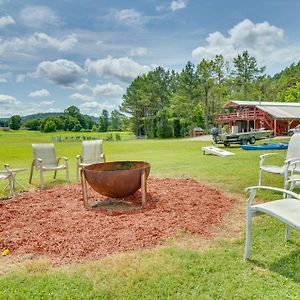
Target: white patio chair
{"points": [[286, 210], [7, 174], [91, 154], [293, 154], [45, 160]]}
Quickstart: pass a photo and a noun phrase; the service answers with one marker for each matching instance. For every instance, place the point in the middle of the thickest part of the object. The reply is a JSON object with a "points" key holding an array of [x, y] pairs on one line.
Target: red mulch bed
{"points": [[54, 222]]}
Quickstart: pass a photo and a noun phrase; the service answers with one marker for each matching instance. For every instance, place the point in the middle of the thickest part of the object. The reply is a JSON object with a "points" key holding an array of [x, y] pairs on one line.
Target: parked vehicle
{"points": [[241, 138], [293, 130]]}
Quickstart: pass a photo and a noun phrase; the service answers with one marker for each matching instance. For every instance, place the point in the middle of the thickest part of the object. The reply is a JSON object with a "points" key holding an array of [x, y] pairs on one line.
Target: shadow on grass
{"points": [[286, 265]]}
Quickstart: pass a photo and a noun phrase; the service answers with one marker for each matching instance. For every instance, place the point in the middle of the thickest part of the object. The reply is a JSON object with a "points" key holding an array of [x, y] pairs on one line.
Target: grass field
{"points": [[185, 267]]}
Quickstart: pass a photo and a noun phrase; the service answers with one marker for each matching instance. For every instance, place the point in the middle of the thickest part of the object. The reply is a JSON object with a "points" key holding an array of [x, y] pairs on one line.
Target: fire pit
{"points": [[115, 179]]}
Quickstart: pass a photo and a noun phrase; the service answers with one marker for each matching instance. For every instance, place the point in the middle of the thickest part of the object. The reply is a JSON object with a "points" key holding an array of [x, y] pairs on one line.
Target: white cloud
{"points": [[95, 108], [81, 97], [123, 68], [42, 40], [38, 40], [40, 93], [108, 89], [178, 4], [7, 20], [8, 100], [62, 72], [130, 17], [47, 103], [9, 105], [3, 80], [264, 41], [139, 51], [38, 16], [20, 78]]}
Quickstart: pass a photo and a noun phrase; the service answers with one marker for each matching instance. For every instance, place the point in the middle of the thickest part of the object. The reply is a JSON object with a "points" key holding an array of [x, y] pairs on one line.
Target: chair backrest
{"points": [[46, 152], [91, 151], [293, 150]]}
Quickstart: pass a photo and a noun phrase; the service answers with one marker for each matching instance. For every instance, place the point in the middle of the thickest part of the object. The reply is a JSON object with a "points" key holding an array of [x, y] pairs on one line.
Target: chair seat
{"points": [[53, 168], [285, 210], [273, 169]]}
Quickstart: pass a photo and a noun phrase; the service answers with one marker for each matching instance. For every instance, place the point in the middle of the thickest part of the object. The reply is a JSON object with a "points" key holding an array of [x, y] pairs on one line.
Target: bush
{"points": [[49, 126], [118, 137], [109, 137]]}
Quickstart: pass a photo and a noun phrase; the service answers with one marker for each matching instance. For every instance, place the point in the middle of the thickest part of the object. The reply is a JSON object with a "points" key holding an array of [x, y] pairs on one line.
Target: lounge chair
{"points": [[293, 154], [7, 174], [45, 160], [286, 209], [91, 154]]}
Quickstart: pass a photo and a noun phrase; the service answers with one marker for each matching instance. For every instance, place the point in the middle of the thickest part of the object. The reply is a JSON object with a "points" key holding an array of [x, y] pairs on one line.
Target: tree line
{"points": [[164, 103], [72, 120]]}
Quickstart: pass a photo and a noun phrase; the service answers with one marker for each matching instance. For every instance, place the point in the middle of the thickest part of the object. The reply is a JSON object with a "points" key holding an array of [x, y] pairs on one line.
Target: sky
{"points": [[58, 53]]}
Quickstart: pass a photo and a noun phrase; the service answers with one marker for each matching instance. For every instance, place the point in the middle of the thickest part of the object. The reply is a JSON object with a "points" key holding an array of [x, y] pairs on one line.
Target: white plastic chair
{"points": [[286, 210], [7, 174], [91, 154], [293, 154], [45, 160]]}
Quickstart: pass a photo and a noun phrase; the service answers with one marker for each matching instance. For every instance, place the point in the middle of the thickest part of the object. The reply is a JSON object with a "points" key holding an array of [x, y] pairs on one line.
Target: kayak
{"points": [[266, 146]]}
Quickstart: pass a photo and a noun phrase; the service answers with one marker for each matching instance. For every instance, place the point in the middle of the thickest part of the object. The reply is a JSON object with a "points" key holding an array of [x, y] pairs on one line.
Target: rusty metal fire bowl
{"points": [[117, 179]]}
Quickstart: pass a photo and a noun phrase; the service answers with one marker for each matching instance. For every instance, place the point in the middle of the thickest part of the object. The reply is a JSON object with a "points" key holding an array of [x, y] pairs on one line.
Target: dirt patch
{"points": [[54, 222]]}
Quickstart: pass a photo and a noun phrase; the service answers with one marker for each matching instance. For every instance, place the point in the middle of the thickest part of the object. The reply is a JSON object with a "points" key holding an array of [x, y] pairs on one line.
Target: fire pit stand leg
{"points": [[144, 188], [84, 190]]}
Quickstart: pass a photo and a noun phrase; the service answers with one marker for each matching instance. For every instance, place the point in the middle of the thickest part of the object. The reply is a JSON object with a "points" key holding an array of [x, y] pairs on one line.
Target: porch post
{"points": [[275, 127]]}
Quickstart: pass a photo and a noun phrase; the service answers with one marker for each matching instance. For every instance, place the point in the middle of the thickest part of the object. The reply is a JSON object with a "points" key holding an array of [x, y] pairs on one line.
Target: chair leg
{"points": [[77, 172], [287, 232], [31, 171], [55, 172], [260, 177], [67, 172], [11, 185], [248, 232], [41, 179]]}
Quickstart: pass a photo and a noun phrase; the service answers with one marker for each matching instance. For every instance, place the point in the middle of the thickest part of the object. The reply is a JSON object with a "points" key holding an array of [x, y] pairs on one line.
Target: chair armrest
{"points": [[264, 156], [6, 169], [64, 158], [252, 190]]}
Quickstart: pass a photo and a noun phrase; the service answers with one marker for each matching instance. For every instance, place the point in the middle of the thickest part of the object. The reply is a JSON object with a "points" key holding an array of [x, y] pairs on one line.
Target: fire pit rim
{"points": [[142, 166]]}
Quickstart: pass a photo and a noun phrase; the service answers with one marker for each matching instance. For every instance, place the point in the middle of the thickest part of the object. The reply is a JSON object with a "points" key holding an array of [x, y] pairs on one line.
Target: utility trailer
{"points": [[241, 138]]}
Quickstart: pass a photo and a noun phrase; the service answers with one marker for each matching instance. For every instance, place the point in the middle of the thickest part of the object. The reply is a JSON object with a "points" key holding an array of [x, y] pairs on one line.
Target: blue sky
{"points": [[54, 54]]}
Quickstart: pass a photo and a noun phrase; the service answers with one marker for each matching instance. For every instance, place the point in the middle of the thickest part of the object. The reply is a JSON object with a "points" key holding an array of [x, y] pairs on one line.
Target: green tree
{"points": [[246, 71], [104, 121], [49, 126], [14, 122], [220, 69], [205, 73], [115, 120], [34, 124], [291, 94], [183, 110]]}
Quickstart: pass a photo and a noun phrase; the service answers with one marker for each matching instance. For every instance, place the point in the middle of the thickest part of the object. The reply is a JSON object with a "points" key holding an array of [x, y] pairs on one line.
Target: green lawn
{"points": [[176, 270]]}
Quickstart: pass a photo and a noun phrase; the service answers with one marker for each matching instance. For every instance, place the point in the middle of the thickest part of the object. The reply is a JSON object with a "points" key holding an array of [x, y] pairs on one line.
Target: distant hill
{"points": [[43, 116]]}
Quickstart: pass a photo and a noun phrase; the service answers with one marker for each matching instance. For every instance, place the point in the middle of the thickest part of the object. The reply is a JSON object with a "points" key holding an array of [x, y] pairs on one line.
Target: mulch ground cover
{"points": [[54, 222]]}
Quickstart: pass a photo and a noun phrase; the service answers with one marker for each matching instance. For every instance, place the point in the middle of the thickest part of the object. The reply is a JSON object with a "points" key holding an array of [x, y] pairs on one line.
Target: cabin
{"points": [[244, 116]]}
